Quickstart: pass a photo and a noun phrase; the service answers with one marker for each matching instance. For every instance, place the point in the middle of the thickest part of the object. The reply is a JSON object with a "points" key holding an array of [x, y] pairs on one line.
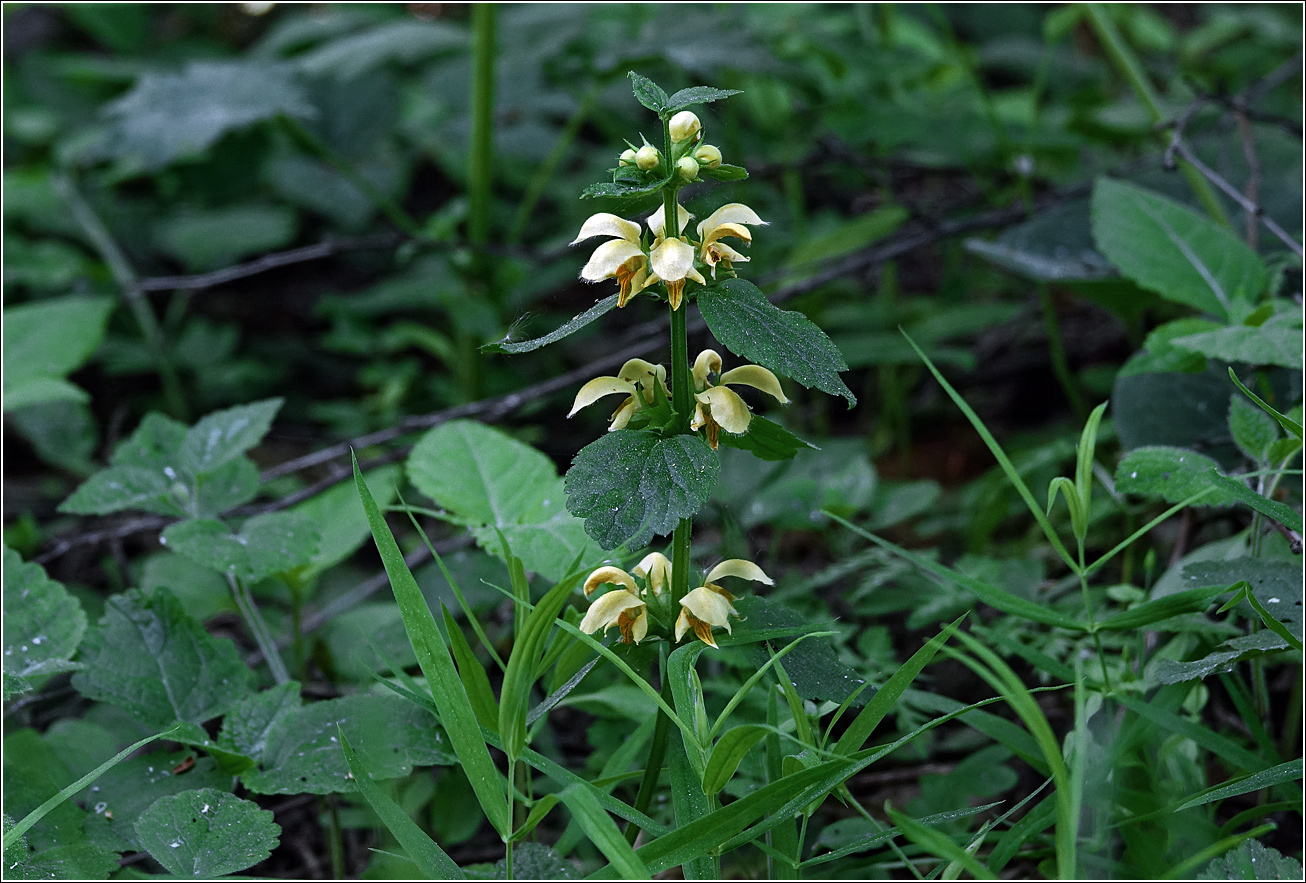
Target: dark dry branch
{"points": [[267, 262]]}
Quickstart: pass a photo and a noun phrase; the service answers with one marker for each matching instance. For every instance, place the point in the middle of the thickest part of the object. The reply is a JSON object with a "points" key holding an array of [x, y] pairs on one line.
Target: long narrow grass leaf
{"points": [[756, 676], [433, 862], [451, 701], [475, 681], [1187, 601], [1284, 772], [514, 697], [604, 834], [938, 844]]}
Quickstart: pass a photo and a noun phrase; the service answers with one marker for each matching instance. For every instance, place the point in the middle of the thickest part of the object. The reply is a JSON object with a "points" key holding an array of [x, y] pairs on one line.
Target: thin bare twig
{"points": [[267, 262]]}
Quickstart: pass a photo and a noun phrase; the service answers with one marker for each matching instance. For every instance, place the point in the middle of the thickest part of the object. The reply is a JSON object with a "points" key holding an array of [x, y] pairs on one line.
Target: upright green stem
{"points": [[1088, 610], [648, 785], [480, 163], [258, 629], [1057, 350], [507, 844]]}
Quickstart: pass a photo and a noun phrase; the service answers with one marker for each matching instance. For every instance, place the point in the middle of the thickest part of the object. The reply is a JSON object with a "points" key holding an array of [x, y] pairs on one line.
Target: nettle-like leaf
{"points": [[1271, 343], [1171, 474], [786, 342], [1276, 584], [724, 172], [630, 485], [276, 542], [1168, 248], [167, 468], [492, 482], [167, 116], [301, 750], [43, 623], [46, 341], [600, 309], [207, 833], [621, 190], [148, 657], [1253, 431], [1252, 860], [766, 440], [697, 95], [648, 93]]}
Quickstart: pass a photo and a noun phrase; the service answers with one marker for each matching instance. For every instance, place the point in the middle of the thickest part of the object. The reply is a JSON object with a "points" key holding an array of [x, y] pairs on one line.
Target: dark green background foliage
{"points": [[237, 245]]}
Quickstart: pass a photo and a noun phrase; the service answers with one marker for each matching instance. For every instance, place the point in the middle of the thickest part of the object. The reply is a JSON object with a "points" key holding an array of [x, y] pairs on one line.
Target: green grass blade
{"points": [[1293, 428], [1084, 457], [1187, 601], [515, 696], [938, 844], [755, 677], [11, 836], [1013, 475], [1034, 822], [727, 754], [1192, 863], [536, 815], [454, 707], [1284, 772], [993, 596], [887, 696], [603, 833], [475, 681], [431, 860]]}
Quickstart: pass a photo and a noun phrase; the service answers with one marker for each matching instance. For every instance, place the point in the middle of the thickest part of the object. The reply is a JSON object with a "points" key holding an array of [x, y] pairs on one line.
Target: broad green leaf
{"points": [[937, 843], [766, 440], [535, 861], [1253, 860], [122, 794], [454, 708], [727, 754], [1284, 772], [888, 695], [341, 524], [207, 239], [495, 483], [602, 832], [404, 40], [1168, 248], [207, 833], [431, 860], [1253, 430], [276, 542], [43, 624], [815, 670], [567, 329], [621, 191], [246, 727], [631, 485], [44, 342], [1174, 409], [1267, 344], [648, 93], [1167, 671], [80, 861], [724, 172], [1171, 474], [167, 116], [786, 342], [225, 435], [148, 657], [302, 754], [1277, 584], [697, 95]]}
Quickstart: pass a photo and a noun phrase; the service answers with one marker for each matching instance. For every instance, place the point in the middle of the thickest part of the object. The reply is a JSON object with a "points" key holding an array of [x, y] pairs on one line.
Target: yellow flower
{"points": [[718, 407], [711, 606], [655, 570], [729, 220], [620, 607], [622, 258], [672, 258], [635, 379]]}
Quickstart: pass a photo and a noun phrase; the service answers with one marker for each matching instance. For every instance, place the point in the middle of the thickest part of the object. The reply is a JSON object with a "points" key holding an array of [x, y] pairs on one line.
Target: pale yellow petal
{"points": [[741, 568], [758, 378], [682, 624], [622, 415], [606, 611], [728, 409], [707, 363], [609, 574], [722, 252], [597, 389], [608, 259], [655, 221], [606, 224], [673, 260], [707, 606], [655, 569], [699, 419], [736, 230], [731, 213], [638, 629], [638, 370]]}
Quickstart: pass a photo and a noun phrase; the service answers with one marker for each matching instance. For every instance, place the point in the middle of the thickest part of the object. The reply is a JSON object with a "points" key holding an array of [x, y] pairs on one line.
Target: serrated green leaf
{"points": [[1253, 430], [496, 483], [148, 657], [431, 860], [1253, 860], [43, 623], [567, 329], [648, 93], [786, 342], [767, 440], [302, 753], [275, 542], [724, 172], [621, 190], [245, 728], [207, 833], [44, 342], [225, 435], [1171, 474], [1168, 248], [697, 95], [80, 861], [630, 485], [1262, 345]]}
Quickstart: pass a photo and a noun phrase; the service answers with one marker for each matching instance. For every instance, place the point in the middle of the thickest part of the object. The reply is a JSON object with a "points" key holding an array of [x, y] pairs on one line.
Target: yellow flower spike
{"points": [[655, 570], [598, 388], [620, 608], [635, 371], [727, 409], [729, 220], [707, 363], [609, 574], [702, 610], [758, 378], [622, 259], [740, 567]]}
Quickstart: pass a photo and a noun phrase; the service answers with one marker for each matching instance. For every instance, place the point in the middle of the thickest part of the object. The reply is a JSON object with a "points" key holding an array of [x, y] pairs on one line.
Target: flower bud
{"points": [[708, 156], [687, 167], [684, 125], [627, 157], [647, 157]]}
